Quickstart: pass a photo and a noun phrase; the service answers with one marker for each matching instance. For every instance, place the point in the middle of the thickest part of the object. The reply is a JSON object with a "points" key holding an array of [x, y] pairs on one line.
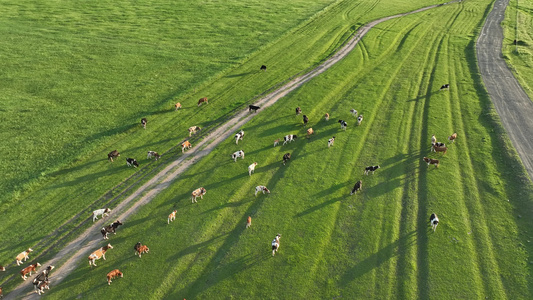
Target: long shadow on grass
{"points": [[333, 190]]}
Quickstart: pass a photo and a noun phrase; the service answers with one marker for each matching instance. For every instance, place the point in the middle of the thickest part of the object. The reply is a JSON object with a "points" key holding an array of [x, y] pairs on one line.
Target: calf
{"points": [[193, 129], [253, 108], [289, 138], [100, 253], [110, 228], [353, 112], [132, 162], [276, 142], [172, 217], [437, 144], [140, 249], [23, 255], [263, 68], [261, 188], [237, 154], [371, 169], [202, 100], [310, 131], [445, 86], [42, 277], [251, 168], [430, 161], [177, 106], [238, 136], [275, 244], [113, 274], [357, 187], [29, 269], [199, 192], [434, 221], [343, 124], [331, 141], [306, 120], [41, 286], [143, 122], [112, 154], [286, 158], [326, 116], [103, 211], [248, 222], [298, 110], [185, 145], [452, 137], [153, 154], [359, 120]]}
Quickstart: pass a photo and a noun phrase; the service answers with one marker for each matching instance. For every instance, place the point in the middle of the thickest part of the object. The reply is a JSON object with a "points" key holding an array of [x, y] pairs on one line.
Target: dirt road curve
{"points": [[77, 251], [511, 102]]}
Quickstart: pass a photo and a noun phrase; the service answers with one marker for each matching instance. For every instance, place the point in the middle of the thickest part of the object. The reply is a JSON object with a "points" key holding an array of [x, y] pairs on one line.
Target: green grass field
{"points": [[376, 244]]}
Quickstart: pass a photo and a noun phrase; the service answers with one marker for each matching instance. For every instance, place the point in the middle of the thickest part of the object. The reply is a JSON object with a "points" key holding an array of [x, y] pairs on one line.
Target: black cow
{"points": [[357, 187], [286, 158], [306, 119], [132, 162], [446, 86], [371, 169], [112, 154], [263, 68], [143, 122], [343, 124], [110, 228], [298, 110], [253, 108], [43, 276]]}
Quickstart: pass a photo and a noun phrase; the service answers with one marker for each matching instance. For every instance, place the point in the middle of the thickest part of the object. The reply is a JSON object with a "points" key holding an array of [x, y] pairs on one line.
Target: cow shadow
{"points": [[240, 74], [225, 205], [333, 190]]}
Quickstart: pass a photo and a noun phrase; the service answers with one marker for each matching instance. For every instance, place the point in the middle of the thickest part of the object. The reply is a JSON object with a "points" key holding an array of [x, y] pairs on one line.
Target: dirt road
{"points": [[511, 102], [77, 251]]}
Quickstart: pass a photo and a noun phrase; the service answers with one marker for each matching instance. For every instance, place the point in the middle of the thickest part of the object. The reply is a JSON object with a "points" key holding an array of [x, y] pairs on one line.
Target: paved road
{"points": [[511, 102]]}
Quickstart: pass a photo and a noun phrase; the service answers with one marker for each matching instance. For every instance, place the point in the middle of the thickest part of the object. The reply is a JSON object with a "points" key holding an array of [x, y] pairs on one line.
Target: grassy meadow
{"points": [[375, 244], [78, 76]]}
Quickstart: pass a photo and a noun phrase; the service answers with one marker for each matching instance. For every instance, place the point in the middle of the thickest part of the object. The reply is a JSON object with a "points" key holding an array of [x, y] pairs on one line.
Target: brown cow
{"points": [[326, 117], [113, 274], [23, 255], [430, 161], [249, 222], [29, 269], [172, 217], [442, 149], [113, 154], [100, 253], [202, 100], [193, 129], [42, 285], [309, 132], [177, 106], [140, 249], [452, 137], [199, 192], [2, 268], [185, 145]]}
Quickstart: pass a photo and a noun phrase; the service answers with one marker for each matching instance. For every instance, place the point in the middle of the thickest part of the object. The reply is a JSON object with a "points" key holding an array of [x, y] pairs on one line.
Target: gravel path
{"points": [[78, 250], [511, 102]]}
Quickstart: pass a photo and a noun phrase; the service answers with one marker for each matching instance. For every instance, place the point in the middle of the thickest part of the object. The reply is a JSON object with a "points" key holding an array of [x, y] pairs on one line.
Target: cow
{"points": [[326, 116], [310, 132], [263, 68], [110, 228], [113, 274], [430, 161], [202, 100], [238, 136], [131, 162], [445, 87], [237, 154], [112, 154], [441, 149], [359, 120], [306, 120], [153, 154], [143, 122], [2, 268], [42, 277], [100, 253], [357, 187], [434, 221], [276, 142], [140, 249], [1, 293], [289, 138], [298, 110], [452, 137], [331, 141], [437, 144], [353, 112], [29, 269], [23, 255], [172, 216], [185, 145], [261, 188], [253, 108], [371, 169], [199, 192], [286, 158], [275, 244], [248, 222], [343, 124], [251, 168], [177, 106], [42, 285], [193, 129], [433, 139], [102, 211]]}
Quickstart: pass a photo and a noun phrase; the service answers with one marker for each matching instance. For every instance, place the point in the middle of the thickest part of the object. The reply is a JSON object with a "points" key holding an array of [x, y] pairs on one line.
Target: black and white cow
{"points": [[434, 220], [306, 120], [353, 112], [286, 158], [289, 138], [238, 136], [445, 86], [437, 144], [331, 141], [42, 277], [275, 244], [359, 119], [110, 228], [371, 169], [263, 68], [153, 154], [343, 124], [237, 154], [357, 187], [298, 110], [253, 108], [132, 162], [143, 122]]}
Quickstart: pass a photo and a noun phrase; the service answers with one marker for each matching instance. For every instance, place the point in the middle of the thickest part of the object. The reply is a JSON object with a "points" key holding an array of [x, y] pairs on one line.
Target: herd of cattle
{"points": [[41, 281]]}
